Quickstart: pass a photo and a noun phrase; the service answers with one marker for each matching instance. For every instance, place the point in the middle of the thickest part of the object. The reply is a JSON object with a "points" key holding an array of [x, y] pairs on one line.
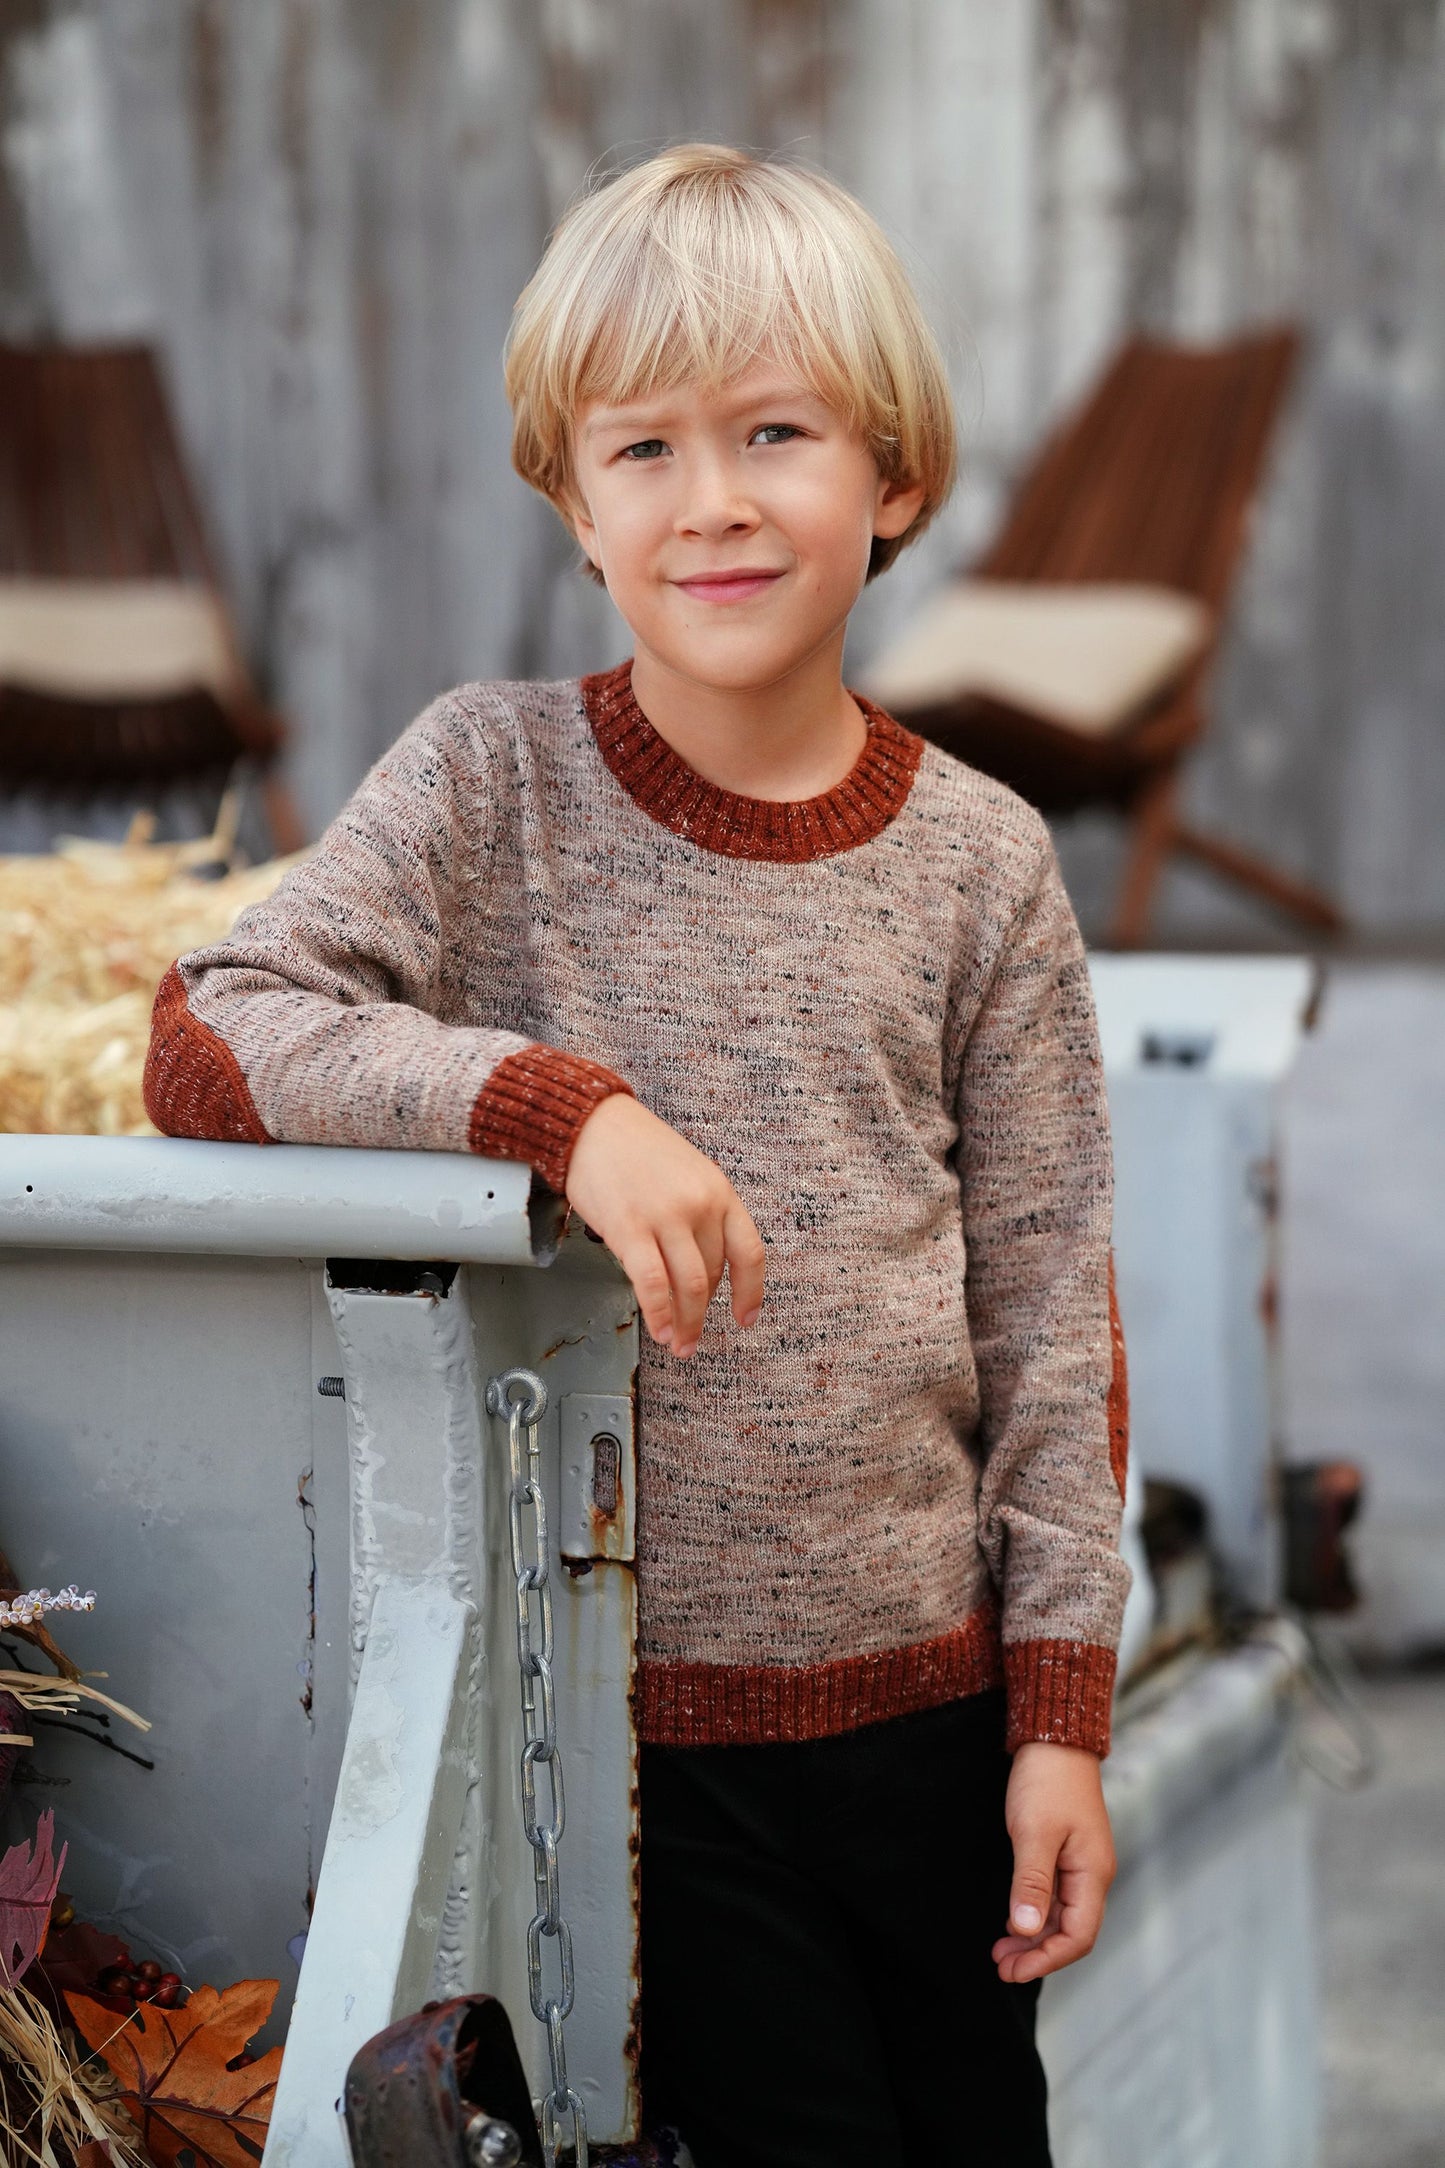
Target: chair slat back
{"points": [[1152, 479], [93, 484]]}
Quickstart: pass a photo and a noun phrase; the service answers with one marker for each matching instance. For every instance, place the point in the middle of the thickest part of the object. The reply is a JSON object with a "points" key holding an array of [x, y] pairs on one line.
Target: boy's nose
{"points": [[715, 503]]}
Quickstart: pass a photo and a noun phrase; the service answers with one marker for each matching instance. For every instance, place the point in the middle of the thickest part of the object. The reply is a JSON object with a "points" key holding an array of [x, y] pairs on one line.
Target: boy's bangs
{"points": [[708, 316]]}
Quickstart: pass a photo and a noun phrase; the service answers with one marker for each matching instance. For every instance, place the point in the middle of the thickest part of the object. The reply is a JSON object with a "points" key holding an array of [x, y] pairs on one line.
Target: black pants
{"points": [[816, 1925]]}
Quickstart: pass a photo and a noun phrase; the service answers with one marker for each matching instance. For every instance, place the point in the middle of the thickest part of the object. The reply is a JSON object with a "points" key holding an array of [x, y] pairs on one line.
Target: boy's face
{"points": [[733, 528]]}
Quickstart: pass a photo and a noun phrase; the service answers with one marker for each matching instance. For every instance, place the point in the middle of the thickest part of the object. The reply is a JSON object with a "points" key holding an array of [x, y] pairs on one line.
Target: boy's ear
{"points": [[897, 506], [575, 513]]}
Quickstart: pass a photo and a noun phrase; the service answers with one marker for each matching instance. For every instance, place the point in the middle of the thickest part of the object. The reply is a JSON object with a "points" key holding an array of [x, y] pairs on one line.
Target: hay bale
{"points": [[86, 935]]}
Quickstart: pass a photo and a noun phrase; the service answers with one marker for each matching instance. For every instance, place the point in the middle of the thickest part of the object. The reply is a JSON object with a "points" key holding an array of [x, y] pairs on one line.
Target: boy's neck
{"points": [[793, 739]]}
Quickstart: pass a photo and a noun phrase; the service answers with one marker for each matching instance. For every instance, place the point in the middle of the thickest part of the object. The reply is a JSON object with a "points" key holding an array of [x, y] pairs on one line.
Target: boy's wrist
{"points": [[1047, 1750]]}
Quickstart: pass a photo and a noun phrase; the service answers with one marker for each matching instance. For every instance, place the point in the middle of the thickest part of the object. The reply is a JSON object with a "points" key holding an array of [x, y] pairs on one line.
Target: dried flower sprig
{"points": [[58, 1697], [25, 1607]]}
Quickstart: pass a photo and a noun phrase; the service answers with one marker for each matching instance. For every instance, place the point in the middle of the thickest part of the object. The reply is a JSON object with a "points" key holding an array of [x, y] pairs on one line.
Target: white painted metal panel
{"points": [[1251, 1009], [389, 1859], [159, 1418], [1194, 1050], [159, 1435], [1188, 2037]]}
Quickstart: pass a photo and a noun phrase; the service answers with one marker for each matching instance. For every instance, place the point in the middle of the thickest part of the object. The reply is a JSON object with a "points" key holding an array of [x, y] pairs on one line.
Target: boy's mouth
{"points": [[729, 586]]}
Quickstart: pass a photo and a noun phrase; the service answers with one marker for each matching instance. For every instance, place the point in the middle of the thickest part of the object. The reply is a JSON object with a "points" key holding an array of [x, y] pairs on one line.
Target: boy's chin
{"points": [[728, 663]]}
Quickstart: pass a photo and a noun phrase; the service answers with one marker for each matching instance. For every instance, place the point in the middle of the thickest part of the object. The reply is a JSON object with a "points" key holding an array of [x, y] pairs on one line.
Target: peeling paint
{"points": [[567, 1340]]}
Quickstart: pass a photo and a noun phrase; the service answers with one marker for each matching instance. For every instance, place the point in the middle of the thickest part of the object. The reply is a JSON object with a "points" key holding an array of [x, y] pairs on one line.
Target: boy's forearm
{"points": [[321, 1020], [249, 1056], [1037, 1191], [1049, 1515]]}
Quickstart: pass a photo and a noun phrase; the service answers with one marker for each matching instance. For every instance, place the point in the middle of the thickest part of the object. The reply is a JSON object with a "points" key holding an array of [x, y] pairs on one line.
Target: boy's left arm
{"points": [[1037, 1185]]}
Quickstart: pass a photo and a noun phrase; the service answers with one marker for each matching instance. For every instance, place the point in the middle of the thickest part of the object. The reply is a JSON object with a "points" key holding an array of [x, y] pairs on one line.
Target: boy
{"points": [[765, 986]]}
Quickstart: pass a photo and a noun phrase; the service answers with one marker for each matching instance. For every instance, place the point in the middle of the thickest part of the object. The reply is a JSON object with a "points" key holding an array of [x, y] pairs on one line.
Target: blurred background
{"points": [[317, 215]]}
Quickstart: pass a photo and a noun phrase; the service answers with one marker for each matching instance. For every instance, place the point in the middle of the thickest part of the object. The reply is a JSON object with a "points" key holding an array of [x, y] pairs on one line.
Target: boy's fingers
{"points": [[1084, 1891], [644, 1266], [1032, 1889], [708, 1236], [747, 1262], [1070, 1931], [1015, 1945], [1050, 1955], [691, 1286]]}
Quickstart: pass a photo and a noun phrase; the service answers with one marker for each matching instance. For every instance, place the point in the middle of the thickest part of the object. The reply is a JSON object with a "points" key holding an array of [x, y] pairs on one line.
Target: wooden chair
{"points": [[1152, 480], [94, 486]]}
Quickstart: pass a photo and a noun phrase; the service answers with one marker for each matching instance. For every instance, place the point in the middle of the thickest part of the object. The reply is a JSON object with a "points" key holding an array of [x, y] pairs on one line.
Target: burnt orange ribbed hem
{"points": [[756, 1704], [1062, 1691], [787, 831], [533, 1105], [193, 1084]]}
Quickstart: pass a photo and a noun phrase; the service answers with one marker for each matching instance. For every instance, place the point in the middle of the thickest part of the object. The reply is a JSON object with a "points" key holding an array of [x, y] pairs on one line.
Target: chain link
{"points": [[521, 1396]]}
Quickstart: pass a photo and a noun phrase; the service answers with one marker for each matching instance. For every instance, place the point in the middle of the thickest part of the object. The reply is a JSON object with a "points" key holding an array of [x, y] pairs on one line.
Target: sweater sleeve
{"points": [[1037, 1189], [324, 1017]]}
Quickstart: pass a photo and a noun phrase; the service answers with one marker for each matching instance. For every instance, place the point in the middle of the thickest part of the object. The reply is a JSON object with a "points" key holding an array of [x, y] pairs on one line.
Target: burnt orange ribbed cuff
{"points": [[1062, 1691], [533, 1105]]}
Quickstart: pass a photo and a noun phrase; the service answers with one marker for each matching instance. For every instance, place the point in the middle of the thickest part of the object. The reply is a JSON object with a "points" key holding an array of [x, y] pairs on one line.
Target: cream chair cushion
{"points": [[113, 639], [1086, 656]]}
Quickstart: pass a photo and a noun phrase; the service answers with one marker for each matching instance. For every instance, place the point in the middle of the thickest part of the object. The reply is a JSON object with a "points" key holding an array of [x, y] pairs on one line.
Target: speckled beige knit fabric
{"points": [[873, 1011]]}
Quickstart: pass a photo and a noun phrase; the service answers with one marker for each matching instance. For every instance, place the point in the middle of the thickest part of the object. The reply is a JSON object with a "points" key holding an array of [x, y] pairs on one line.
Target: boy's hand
{"points": [[1063, 1859], [669, 1216]]}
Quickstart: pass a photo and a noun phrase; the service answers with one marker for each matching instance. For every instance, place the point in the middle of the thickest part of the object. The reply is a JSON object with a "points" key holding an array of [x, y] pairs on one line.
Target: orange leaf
{"points": [[171, 2065]]}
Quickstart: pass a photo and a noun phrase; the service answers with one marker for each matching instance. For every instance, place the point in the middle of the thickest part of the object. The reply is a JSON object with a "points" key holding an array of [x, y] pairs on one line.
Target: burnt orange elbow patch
{"points": [[194, 1085], [1118, 1392]]}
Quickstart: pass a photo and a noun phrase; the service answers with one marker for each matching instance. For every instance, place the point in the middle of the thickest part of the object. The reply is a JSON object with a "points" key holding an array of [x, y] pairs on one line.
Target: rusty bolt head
{"points": [[491, 2144]]}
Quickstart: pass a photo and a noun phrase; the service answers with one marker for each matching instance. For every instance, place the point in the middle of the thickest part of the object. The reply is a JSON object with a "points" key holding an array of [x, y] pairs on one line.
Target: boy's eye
{"points": [[778, 431], [646, 449]]}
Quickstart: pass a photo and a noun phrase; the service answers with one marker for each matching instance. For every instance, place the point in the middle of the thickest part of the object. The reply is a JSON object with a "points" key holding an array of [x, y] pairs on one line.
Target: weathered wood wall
{"points": [[324, 208]]}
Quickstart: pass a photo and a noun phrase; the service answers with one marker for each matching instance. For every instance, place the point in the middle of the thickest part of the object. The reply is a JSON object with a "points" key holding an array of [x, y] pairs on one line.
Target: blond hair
{"points": [[701, 261]]}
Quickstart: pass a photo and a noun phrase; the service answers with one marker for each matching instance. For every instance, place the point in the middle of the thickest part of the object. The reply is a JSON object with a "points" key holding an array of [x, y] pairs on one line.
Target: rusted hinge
{"points": [[443, 2089]]}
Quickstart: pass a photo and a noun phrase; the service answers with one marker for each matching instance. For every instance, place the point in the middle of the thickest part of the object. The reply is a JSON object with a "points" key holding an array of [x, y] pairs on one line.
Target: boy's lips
{"points": [[734, 585]]}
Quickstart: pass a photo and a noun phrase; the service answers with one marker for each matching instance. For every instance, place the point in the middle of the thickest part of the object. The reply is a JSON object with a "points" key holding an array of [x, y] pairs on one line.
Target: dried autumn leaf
{"points": [[28, 1882], [171, 2065], [73, 1957]]}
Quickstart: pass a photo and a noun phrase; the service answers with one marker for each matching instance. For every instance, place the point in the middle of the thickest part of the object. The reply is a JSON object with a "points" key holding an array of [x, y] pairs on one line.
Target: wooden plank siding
{"points": [[322, 210]]}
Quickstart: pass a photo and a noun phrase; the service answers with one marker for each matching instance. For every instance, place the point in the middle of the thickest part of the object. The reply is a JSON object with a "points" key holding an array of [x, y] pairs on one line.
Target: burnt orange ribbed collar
{"points": [[786, 830]]}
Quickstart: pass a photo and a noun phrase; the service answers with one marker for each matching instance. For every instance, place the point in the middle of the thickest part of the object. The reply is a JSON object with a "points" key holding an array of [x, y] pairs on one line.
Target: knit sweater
{"points": [[871, 1008]]}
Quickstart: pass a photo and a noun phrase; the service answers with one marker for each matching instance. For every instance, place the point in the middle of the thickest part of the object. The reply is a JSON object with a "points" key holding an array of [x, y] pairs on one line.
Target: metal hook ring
{"points": [[531, 1403]]}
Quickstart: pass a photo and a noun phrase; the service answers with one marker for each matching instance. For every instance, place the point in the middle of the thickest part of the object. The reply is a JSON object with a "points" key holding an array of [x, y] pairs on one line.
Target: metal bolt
{"points": [[491, 2144]]}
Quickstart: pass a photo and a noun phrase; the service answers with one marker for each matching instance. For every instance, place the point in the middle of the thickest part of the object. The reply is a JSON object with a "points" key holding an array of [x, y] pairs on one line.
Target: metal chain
{"points": [[562, 2109]]}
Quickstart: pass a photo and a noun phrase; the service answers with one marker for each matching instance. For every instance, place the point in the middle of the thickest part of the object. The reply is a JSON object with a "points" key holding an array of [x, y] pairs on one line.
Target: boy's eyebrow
{"points": [[620, 418], [645, 412]]}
